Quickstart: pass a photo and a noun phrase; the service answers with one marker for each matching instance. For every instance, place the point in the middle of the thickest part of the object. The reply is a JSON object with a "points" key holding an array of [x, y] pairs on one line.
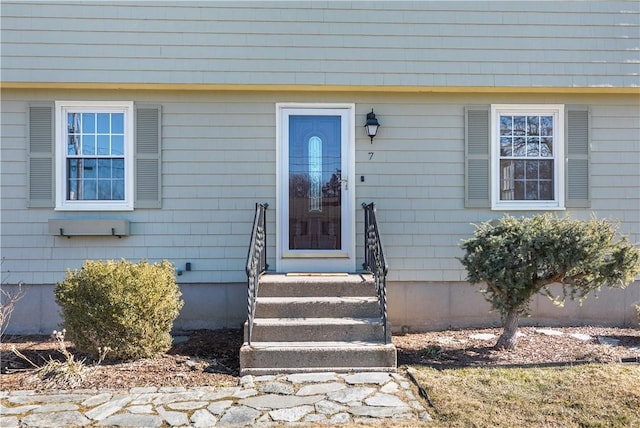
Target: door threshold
{"points": [[317, 274]]}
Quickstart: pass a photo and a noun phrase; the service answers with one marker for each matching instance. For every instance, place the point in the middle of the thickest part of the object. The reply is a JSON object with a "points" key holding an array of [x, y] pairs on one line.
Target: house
{"points": [[150, 130]]}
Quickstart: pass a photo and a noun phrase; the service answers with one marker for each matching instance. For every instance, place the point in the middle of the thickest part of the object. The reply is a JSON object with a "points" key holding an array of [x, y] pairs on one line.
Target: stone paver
{"points": [[320, 388], [241, 415], [276, 388], [293, 414], [143, 409], [603, 340], [262, 401], [202, 418], [9, 421], [173, 418], [219, 407], [581, 336], [60, 419], [368, 377], [384, 400], [109, 408], [350, 395], [549, 332], [131, 420]]}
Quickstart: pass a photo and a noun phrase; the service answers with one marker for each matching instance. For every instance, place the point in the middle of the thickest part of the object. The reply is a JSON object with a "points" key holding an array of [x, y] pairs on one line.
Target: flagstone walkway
{"points": [[264, 401]]}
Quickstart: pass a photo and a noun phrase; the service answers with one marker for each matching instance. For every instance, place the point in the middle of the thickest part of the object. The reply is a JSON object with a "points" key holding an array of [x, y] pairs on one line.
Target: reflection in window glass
{"points": [[526, 158], [104, 121], [88, 145], [315, 174], [88, 123], [95, 156]]}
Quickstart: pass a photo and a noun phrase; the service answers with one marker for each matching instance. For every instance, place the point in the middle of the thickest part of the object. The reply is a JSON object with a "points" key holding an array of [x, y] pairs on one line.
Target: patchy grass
{"points": [[593, 395]]}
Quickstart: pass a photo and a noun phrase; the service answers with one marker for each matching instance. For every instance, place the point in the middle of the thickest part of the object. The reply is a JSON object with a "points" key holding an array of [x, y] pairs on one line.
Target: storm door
{"points": [[315, 196]]}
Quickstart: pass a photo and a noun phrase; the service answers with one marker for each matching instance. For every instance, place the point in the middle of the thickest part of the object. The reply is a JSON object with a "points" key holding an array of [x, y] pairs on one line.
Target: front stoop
{"points": [[317, 323]]}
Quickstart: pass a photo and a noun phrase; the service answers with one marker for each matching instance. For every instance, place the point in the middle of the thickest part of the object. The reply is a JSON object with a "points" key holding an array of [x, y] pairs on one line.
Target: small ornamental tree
{"points": [[121, 307], [517, 258]]}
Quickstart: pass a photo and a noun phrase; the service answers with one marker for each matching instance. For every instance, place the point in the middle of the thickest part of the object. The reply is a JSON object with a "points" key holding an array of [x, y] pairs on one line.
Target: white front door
{"points": [[316, 197]]}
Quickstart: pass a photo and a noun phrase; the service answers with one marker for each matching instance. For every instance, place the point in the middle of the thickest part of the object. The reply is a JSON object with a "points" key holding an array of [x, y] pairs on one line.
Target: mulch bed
{"points": [[210, 357]]}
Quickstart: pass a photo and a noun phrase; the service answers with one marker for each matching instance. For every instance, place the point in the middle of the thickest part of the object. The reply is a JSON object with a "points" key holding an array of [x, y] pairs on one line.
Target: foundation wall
{"points": [[413, 306]]}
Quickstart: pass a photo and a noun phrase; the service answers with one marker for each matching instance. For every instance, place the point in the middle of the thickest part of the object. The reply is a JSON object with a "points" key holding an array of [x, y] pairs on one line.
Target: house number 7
{"points": [[370, 155]]}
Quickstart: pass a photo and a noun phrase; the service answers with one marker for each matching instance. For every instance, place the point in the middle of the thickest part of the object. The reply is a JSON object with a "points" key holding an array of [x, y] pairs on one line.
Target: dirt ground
{"points": [[210, 357]]}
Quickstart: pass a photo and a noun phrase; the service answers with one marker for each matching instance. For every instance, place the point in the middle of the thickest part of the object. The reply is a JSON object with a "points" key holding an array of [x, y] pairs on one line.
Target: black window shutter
{"points": [[40, 156], [148, 162], [477, 157]]}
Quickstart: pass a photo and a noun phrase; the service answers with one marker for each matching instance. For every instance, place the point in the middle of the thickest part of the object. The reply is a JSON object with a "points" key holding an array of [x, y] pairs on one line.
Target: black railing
{"points": [[256, 262], [374, 260]]}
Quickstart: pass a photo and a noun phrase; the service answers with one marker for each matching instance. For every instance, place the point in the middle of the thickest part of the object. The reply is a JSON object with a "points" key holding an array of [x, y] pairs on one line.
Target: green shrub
{"points": [[127, 308], [518, 258]]}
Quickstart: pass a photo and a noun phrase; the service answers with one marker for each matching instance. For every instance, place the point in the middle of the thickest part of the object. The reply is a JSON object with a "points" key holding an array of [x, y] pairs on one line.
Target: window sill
{"points": [[95, 206], [526, 207]]}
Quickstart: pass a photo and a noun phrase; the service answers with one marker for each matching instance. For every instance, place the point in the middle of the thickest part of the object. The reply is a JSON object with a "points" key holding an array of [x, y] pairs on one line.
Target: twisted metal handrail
{"points": [[374, 260], [256, 262]]}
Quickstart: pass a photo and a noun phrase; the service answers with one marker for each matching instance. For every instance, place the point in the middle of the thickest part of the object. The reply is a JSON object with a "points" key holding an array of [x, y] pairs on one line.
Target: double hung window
{"points": [[527, 152], [94, 151]]}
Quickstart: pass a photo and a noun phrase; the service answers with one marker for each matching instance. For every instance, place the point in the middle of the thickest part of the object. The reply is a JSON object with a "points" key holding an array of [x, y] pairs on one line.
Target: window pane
{"points": [[103, 145], [72, 178], [117, 123], [532, 170], [533, 125], [518, 169], [72, 190], [531, 191], [88, 123], [546, 125], [88, 145], [104, 190], [546, 147], [73, 123], [518, 193], [546, 190], [89, 190], [104, 168], [73, 145], [546, 169], [505, 146], [505, 125], [72, 168], [533, 147], [104, 123], [519, 125], [118, 190], [506, 180], [117, 145], [89, 169], [519, 146], [117, 168]]}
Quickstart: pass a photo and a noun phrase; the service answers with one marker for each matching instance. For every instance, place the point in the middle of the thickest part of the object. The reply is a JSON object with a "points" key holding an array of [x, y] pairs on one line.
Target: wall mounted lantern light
{"points": [[372, 125]]}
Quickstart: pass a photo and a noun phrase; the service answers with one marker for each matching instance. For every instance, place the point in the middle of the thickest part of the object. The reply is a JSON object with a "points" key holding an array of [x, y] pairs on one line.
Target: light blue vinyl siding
{"points": [[219, 159], [491, 44]]}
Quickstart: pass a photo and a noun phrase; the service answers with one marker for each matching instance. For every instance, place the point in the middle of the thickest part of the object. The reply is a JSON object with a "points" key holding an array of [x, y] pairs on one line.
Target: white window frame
{"points": [[555, 110], [62, 108]]}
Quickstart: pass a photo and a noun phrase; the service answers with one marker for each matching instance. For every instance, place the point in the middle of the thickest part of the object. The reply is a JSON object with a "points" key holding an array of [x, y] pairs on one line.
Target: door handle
{"points": [[346, 183]]}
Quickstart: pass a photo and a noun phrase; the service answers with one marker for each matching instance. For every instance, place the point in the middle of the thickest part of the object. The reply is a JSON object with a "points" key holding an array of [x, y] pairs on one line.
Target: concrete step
{"points": [[318, 329], [317, 307], [315, 285], [296, 357]]}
